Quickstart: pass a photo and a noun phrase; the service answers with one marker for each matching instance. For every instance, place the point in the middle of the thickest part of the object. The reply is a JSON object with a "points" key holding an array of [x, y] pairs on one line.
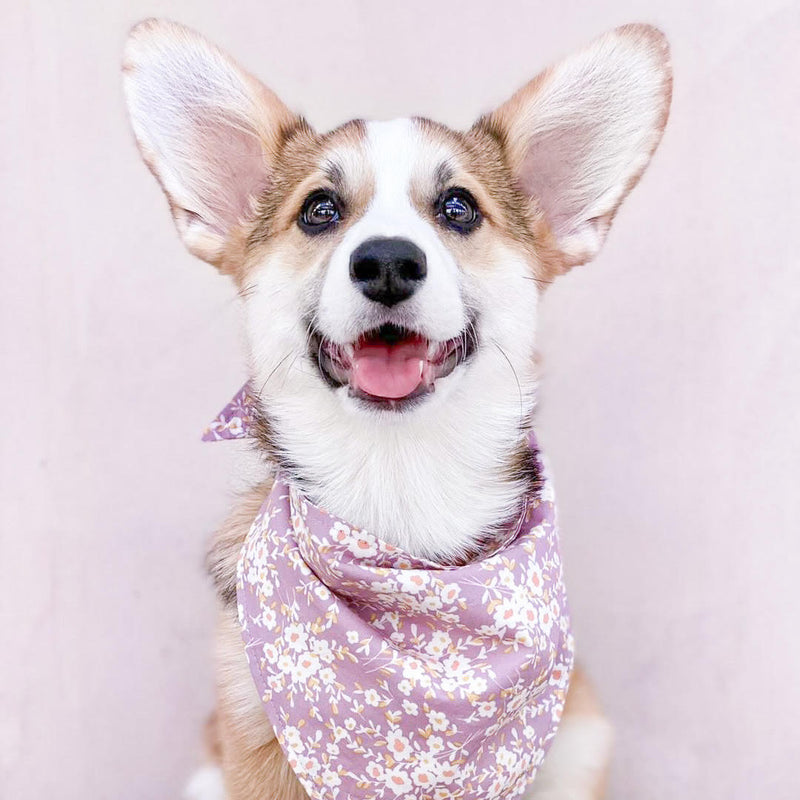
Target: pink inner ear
{"points": [[229, 169], [558, 171]]}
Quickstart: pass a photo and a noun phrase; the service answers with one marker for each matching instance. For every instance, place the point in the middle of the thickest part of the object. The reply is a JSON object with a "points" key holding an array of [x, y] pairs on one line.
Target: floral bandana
{"points": [[390, 677]]}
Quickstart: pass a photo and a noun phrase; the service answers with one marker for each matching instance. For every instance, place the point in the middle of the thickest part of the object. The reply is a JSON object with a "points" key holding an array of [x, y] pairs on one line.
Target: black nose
{"points": [[388, 270]]}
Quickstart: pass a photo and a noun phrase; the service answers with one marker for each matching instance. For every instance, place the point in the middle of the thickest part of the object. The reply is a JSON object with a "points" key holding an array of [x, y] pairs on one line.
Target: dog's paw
{"points": [[206, 784], [576, 766]]}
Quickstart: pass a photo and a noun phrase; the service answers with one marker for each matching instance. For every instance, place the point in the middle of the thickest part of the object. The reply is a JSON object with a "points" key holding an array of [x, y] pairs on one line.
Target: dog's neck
{"points": [[438, 485]]}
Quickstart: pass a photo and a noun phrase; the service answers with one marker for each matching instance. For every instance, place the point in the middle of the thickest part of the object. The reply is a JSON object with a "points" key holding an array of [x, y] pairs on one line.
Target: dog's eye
{"points": [[457, 209], [320, 211]]}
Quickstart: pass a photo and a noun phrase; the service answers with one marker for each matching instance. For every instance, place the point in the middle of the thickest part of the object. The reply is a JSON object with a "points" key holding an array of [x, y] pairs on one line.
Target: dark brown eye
{"points": [[457, 209], [320, 211]]}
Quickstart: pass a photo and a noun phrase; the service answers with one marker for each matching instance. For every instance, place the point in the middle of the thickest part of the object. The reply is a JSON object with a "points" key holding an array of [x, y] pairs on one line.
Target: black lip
{"points": [[467, 345]]}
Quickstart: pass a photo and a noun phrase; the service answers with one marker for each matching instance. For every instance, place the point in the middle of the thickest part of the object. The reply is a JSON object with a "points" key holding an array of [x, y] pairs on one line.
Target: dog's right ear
{"points": [[207, 129]]}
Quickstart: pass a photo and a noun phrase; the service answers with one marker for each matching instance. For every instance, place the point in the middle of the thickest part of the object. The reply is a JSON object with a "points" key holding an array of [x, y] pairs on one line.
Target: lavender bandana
{"points": [[390, 677]]}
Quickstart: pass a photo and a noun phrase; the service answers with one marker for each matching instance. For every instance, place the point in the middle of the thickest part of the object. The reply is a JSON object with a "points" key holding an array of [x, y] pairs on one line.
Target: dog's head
{"points": [[391, 271]]}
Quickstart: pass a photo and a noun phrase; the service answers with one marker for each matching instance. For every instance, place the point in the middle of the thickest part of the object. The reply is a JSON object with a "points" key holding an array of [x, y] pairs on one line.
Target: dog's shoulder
{"points": [[226, 543]]}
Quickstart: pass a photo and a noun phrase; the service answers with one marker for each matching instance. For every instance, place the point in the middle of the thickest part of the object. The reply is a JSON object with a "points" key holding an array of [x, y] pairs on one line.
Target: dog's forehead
{"points": [[394, 155], [363, 162]]}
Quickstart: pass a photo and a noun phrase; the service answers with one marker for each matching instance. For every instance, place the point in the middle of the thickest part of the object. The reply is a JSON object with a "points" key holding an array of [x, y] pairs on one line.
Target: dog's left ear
{"points": [[208, 130], [579, 136]]}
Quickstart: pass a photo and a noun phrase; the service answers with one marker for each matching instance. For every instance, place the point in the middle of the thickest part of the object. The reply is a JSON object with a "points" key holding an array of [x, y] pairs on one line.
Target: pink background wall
{"points": [[671, 406]]}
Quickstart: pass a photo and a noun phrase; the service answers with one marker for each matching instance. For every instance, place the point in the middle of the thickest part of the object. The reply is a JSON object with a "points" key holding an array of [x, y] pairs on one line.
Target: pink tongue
{"points": [[389, 371]]}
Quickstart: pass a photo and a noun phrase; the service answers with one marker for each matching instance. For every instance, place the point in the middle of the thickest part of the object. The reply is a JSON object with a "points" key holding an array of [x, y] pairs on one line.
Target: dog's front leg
{"points": [[576, 766], [253, 764]]}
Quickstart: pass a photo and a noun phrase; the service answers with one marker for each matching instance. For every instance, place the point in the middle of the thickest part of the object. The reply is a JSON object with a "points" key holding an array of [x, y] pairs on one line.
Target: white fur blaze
{"points": [[394, 150]]}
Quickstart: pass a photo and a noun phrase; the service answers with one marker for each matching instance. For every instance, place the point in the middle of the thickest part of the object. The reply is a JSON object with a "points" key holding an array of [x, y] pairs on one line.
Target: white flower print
{"points": [[413, 581], [535, 582], [507, 578], [322, 647], [455, 664], [439, 644], [308, 765], [450, 593], [285, 663], [327, 675], [269, 619], [428, 603], [295, 636], [363, 545], [476, 684], [412, 709], [505, 757], [447, 772], [506, 613], [438, 720], [271, 652], [560, 676], [545, 620], [398, 745], [371, 697], [306, 666], [235, 427], [488, 708], [340, 533], [435, 744], [331, 779], [413, 669], [398, 781], [322, 591], [292, 739], [423, 776], [375, 770]]}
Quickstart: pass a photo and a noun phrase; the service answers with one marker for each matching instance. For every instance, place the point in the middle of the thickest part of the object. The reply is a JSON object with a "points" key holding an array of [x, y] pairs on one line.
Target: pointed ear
{"points": [[207, 129], [579, 136]]}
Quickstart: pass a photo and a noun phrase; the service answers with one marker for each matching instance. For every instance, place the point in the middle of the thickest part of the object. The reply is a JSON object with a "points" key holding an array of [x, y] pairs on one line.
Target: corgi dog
{"points": [[390, 274]]}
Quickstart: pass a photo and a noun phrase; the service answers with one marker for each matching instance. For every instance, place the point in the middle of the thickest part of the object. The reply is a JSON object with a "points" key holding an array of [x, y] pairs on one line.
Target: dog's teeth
{"points": [[349, 350]]}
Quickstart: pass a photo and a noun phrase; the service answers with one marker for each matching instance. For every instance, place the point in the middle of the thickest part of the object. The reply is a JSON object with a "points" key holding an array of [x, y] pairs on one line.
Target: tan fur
{"points": [[223, 554], [477, 162], [302, 167]]}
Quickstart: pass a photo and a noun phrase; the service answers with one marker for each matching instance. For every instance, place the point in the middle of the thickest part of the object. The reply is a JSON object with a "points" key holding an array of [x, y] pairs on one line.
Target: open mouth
{"points": [[390, 365]]}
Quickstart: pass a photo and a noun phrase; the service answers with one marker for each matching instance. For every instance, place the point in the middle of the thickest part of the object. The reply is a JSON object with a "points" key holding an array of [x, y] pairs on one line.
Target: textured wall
{"points": [[670, 408]]}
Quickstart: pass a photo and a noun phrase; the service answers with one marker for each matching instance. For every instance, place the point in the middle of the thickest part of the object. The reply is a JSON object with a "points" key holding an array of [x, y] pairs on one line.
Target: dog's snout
{"points": [[388, 270]]}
